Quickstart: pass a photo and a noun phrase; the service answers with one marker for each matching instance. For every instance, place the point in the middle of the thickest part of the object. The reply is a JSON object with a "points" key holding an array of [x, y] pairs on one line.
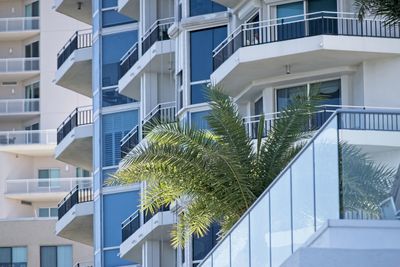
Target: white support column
{"points": [[268, 100], [150, 92]]}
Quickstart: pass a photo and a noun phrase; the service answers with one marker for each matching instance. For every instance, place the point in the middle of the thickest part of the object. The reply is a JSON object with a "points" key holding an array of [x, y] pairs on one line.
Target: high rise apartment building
{"points": [[153, 59], [31, 109]]}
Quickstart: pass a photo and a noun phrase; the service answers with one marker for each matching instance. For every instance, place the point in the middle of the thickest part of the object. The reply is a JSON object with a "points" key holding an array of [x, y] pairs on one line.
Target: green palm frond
{"points": [[388, 9]]}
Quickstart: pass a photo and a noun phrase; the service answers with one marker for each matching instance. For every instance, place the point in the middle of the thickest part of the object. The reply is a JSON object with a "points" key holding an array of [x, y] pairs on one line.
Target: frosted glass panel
{"points": [[240, 244], [221, 256]]}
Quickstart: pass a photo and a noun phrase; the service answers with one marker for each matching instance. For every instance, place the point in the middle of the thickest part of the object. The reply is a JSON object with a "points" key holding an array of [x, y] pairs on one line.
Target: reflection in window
{"points": [[198, 120], [200, 7], [55, 256], [113, 18], [114, 47], [111, 97], [203, 245]]}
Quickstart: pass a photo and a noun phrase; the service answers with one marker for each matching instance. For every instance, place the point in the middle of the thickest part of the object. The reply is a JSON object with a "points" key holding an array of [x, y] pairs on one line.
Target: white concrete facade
{"points": [[32, 108]]}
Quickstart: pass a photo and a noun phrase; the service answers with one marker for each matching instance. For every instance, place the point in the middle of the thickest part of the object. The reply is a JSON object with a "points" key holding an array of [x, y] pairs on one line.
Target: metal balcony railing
{"points": [[43, 137], [132, 223], [53, 185], [128, 60], [16, 106], [129, 141], [80, 39], [79, 194], [8, 65], [19, 24], [294, 27], [80, 116], [158, 31], [325, 181], [162, 113]]}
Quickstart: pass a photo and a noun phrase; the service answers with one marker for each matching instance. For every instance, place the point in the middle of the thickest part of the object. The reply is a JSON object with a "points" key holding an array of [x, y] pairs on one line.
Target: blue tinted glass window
{"points": [[200, 7], [114, 47], [202, 44], [203, 245], [285, 97], [329, 92], [113, 18], [198, 120], [115, 126], [111, 97], [108, 3], [112, 259], [198, 93], [117, 207]]}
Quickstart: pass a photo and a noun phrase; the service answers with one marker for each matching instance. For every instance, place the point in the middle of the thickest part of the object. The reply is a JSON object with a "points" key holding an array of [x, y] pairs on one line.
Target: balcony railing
{"points": [[53, 185], [81, 193], [132, 223], [157, 32], [128, 60], [13, 106], [43, 137], [129, 141], [80, 116], [19, 24], [162, 113], [80, 39], [294, 27], [317, 119], [19, 64], [339, 174]]}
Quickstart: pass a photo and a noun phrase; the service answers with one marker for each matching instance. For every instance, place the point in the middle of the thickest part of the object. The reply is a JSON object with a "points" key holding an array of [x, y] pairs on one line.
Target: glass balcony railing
{"points": [[80, 116], [133, 223], [17, 106], [294, 27], [10, 65], [19, 24], [81, 193], [157, 32], [42, 185], [128, 60], [29, 137], [348, 170], [129, 141], [80, 39]]}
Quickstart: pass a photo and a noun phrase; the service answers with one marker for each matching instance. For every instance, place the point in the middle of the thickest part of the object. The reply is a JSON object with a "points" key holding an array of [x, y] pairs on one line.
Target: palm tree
{"points": [[216, 174], [389, 9]]}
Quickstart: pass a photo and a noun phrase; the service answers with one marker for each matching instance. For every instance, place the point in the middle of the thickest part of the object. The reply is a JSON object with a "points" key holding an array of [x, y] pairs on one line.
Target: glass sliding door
{"points": [[290, 20], [32, 92], [286, 96], [50, 178], [322, 19], [32, 10], [32, 137]]}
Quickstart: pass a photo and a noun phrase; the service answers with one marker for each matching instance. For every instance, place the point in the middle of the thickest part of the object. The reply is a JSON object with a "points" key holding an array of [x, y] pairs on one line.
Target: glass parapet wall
{"points": [[348, 170]]}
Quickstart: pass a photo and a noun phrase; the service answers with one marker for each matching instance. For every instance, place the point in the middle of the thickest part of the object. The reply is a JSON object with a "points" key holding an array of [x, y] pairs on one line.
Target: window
{"points": [[200, 7], [329, 91], [80, 172], [47, 212], [202, 44], [32, 10], [32, 91], [13, 256], [198, 120], [56, 256], [203, 245], [32, 50], [115, 126], [114, 47], [111, 97], [258, 107], [49, 177]]}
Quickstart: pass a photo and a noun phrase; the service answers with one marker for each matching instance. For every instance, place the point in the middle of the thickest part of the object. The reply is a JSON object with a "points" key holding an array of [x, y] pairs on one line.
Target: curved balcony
{"points": [[75, 214], [74, 63], [257, 51], [19, 28], [42, 189], [74, 138]]}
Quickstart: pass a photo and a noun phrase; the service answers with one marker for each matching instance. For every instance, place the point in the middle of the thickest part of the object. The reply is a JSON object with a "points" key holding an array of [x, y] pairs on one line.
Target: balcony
{"points": [[17, 29], [75, 215], [257, 52], [155, 227], [348, 172], [42, 189], [79, 10], [162, 113], [12, 69], [130, 8], [19, 109], [156, 48], [74, 63], [74, 138], [84, 264], [30, 142]]}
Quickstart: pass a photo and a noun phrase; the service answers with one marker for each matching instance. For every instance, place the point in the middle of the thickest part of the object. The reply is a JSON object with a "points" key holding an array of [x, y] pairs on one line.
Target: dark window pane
{"points": [[198, 93], [113, 18], [198, 120], [203, 245], [109, 3], [48, 256], [5, 255], [114, 47], [258, 107], [285, 97], [200, 7], [111, 98], [328, 91]]}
